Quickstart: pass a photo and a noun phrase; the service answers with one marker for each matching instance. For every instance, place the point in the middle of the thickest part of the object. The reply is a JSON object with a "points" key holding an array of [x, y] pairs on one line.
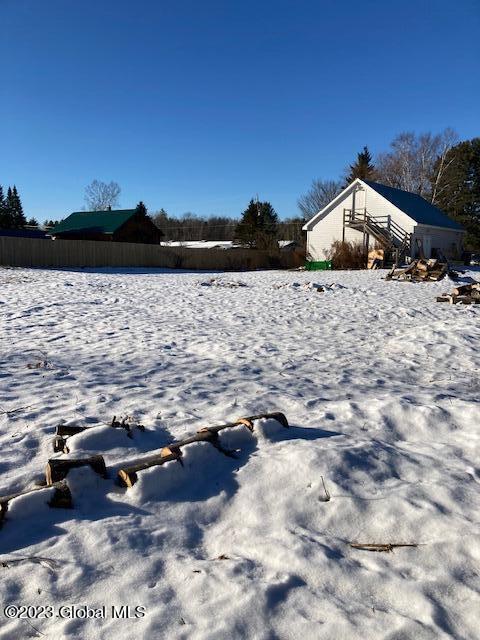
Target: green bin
{"points": [[321, 265]]}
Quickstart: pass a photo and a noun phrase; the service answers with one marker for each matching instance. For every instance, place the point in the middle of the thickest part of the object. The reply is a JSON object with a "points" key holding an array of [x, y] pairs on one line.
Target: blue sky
{"points": [[198, 106]]}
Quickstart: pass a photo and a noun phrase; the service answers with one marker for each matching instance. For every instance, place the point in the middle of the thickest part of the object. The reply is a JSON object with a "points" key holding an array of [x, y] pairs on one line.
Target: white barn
{"points": [[378, 215]]}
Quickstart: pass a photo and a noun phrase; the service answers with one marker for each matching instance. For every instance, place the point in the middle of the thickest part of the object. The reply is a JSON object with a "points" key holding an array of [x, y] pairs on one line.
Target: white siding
{"points": [[449, 241], [329, 227], [377, 205]]}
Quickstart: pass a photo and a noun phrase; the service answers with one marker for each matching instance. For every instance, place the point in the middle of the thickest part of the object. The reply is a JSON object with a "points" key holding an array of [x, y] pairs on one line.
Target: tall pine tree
{"points": [[9, 217], [14, 217], [258, 226], [4, 221], [19, 219], [363, 168]]}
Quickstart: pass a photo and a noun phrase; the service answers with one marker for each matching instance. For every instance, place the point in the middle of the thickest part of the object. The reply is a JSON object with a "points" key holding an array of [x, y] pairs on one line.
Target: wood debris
{"points": [[420, 271], [462, 294], [128, 474], [376, 258], [61, 498], [388, 548], [64, 431], [58, 468]]}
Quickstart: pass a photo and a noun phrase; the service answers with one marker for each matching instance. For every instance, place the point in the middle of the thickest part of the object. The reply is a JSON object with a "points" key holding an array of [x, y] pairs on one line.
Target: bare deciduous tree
{"points": [[444, 160], [413, 162], [100, 196], [318, 196]]}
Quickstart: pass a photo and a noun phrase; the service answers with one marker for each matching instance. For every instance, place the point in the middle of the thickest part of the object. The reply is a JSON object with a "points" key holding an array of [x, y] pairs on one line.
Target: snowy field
{"points": [[381, 386]]}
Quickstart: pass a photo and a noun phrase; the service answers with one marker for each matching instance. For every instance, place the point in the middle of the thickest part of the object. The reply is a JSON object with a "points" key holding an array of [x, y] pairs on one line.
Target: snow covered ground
{"points": [[381, 385]]}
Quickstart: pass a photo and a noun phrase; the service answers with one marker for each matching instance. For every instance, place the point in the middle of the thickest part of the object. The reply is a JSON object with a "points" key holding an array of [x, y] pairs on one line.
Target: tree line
{"points": [[191, 227], [437, 167]]}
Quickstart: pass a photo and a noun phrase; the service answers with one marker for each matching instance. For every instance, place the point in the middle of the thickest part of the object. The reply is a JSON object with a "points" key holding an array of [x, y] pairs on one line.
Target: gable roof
{"points": [[418, 209], [308, 226], [93, 221], [414, 206]]}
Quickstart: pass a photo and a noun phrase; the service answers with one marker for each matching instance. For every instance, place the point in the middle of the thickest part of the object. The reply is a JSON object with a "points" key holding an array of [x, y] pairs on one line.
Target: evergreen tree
{"points": [[258, 226], [363, 168], [15, 217], [20, 219], [141, 209], [9, 216], [48, 224], [458, 189], [32, 222], [4, 218]]}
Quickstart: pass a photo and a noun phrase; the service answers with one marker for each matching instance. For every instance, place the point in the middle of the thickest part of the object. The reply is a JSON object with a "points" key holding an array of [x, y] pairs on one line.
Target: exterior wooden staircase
{"points": [[390, 235]]}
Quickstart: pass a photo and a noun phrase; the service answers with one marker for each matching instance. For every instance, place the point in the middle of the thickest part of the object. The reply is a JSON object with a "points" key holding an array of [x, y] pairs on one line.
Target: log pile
{"points": [[463, 294], [420, 271], [57, 468]]}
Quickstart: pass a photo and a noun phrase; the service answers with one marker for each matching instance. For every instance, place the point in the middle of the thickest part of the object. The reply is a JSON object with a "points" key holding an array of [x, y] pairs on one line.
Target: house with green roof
{"points": [[399, 222], [121, 225]]}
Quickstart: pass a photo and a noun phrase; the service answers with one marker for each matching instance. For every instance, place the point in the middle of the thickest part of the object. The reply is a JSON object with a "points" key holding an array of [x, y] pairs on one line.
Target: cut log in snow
{"points": [[62, 498], [462, 289], [463, 294], [128, 474], [63, 432], [68, 430], [276, 415], [58, 468]]}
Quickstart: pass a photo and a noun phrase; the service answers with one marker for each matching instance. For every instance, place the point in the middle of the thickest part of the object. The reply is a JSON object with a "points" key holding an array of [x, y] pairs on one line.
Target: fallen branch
{"points": [[7, 412], [327, 495], [49, 563], [380, 547]]}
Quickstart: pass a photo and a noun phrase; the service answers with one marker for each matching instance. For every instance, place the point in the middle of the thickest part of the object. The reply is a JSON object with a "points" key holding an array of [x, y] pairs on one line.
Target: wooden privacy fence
{"points": [[30, 252]]}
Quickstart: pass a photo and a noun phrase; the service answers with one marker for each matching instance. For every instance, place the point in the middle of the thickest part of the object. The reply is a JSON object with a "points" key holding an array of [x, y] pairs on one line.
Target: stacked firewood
{"points": [[420, 271], [463, 294]]}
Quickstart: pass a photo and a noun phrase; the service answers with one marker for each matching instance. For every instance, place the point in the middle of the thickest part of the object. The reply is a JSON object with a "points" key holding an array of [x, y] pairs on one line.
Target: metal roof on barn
{"points": [[93, 221], [415, 206]]}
